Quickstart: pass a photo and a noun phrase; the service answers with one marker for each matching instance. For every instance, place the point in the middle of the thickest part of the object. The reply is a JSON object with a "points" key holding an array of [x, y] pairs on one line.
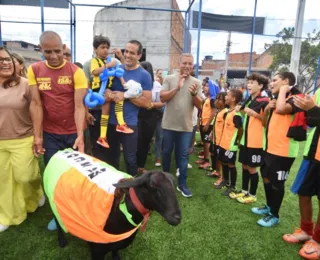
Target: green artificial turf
{"points": [[213, 227]]}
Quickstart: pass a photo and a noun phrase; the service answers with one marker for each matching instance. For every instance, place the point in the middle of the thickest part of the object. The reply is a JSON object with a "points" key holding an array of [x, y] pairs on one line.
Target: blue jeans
{"points": [[159, 137], [54, 143], [180, 142]]}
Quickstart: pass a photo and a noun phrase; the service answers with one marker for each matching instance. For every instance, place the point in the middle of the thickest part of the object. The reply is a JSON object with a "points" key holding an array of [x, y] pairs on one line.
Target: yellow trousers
{"points": [[20, 181]]}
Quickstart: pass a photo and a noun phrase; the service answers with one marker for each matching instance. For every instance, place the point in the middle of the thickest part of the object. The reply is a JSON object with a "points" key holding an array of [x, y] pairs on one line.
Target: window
{"points": [[24, 45]]}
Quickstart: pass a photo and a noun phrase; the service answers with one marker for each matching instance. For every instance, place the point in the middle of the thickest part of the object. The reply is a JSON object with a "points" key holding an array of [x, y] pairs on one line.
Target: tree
{"points": [[310, 51]]}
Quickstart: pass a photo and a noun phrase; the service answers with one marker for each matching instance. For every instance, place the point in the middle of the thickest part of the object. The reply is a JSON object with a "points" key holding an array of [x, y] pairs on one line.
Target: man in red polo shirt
{"points": [[58, 88]]}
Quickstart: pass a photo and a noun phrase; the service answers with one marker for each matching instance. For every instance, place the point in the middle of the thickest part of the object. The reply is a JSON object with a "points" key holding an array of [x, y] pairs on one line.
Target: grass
{"points": [[213, 227]]}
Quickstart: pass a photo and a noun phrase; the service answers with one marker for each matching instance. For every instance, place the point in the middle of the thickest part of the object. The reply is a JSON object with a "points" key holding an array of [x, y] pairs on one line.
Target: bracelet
{"points": [[194, 94]]}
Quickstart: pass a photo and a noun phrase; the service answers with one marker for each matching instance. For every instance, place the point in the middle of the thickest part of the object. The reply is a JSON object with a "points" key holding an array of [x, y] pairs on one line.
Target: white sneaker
{"points": [[3, 228], [189, 166], [178, 172], [42, 201]]}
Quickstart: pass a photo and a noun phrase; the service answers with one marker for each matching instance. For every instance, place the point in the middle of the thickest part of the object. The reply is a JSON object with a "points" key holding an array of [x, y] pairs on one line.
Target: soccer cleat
{"points": [[157, 163], [227, 192], [268, 221], [222, 185], [42, 201], [184, 191], [237, 194], [103, 142], [201, 152], [3, 227], [297, 236], [214, 174], [52, 225], [261, 211], [247, 199], [310, 250], [218, 181], [124, 129], [189, 166]]}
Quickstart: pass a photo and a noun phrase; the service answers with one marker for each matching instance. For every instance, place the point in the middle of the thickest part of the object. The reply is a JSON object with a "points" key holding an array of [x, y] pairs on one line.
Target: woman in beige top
{"points": [[20, 181]]}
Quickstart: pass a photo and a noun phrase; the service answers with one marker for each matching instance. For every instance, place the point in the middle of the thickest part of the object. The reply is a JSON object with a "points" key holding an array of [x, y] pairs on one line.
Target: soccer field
{"points": [[213, 227]]}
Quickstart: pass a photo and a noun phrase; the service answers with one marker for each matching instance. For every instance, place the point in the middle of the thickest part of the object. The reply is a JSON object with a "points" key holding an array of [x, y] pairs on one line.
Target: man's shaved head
{"points": [[52, 48], [48, 35]]}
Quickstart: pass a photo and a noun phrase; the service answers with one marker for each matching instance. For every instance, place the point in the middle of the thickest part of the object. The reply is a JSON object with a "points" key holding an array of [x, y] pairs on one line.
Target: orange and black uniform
{"points": [[280, 153], [217, 129], [309, 185], [229, 146], [206, 112], [57, 87], [251, 144]]}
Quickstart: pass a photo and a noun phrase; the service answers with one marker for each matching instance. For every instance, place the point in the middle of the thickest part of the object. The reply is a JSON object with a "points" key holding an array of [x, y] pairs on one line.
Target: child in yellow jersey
{"points": [[230, 139], [101, 46]]}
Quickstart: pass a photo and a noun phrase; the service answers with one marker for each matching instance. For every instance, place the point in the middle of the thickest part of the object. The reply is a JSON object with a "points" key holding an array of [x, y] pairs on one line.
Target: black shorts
{"points": [[276, 168], [205, 135], [214, 149], [253, 157], [311, 182], [227, 157]]}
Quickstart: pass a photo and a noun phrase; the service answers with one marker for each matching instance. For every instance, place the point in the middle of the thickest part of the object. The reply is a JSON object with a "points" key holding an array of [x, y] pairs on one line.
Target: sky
{"points": [[278, 13]]}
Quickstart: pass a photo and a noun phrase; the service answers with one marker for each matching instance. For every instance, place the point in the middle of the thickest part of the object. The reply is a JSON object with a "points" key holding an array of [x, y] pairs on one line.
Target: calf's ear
{"points": [[130, 183]]}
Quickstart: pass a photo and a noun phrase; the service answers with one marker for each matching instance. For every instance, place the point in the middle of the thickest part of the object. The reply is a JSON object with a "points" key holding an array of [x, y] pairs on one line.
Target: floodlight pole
{"points": [[186, 30], [71, 28], [317, 76], [74, 34], [252, 36], [1, 43], [42, 15], [296, 48], [199, 34]]}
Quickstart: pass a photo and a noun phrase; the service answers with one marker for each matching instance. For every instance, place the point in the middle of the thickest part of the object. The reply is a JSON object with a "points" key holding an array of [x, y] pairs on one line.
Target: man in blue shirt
{"points": [[132, 71]]}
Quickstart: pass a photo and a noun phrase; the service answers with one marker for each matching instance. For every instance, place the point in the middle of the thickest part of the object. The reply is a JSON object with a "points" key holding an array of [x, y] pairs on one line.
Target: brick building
{"points": [[238, 64], [29, 51], [161, 33]]}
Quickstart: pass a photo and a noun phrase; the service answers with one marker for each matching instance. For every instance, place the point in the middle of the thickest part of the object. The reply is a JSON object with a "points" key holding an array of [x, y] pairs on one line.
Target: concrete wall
{"points": [[151, 28]]}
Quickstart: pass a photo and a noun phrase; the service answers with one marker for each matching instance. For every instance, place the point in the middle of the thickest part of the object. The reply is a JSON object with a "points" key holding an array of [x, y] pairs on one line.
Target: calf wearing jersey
{"points": [[231, 135], [307, 184], [280, 150]]}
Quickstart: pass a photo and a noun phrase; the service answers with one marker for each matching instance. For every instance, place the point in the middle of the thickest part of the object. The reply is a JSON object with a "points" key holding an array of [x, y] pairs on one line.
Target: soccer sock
{"points": [[225, 171], [316, 234], [233, 176], [307, 226], [118, 109], [276, 198], [214, 162], [254, 183], [104, 125], [268, 191], [245, 179]]}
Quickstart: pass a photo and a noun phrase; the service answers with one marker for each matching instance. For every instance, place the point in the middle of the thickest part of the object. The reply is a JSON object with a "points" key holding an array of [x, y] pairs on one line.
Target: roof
{"points": [[34, 45]]}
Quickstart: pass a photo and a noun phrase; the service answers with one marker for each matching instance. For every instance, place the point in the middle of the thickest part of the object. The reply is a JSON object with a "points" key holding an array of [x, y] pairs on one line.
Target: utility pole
{"points": [[296, 48], [227, 57]]}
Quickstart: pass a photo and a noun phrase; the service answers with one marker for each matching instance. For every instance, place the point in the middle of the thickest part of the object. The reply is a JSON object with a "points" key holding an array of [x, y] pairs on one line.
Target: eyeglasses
{"points": [[7, 59], [67, 54]]}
